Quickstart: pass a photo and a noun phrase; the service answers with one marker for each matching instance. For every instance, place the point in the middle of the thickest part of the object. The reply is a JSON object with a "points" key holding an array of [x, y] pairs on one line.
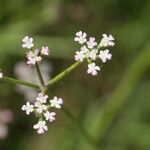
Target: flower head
{"points": [[80, 37], [42, 98], [90, 51], [28, 108], [92, 69], [107, 41], [41, 127], [79, 56], [27, 42], [84, 49], [93, 54], [39, 107], [56, 102], [42, 110], [91, 43], [33, 57], [45, 50], [50, 116], [105, 55]]}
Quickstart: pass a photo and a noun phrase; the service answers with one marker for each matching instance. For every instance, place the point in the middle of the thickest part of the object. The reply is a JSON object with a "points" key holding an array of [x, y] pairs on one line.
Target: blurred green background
{"points": [[113, 107]]}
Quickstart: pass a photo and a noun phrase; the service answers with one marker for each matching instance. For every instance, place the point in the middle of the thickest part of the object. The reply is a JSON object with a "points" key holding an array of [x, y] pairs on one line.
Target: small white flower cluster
{"points": [[90, 50], [35, 55], [1, 74], [41, 108]]}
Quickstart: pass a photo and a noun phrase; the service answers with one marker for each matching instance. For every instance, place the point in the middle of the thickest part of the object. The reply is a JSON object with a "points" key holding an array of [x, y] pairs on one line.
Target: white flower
{"points": [[91, 43], [1, 75], [93, 54], [104, 55], [33, 57], [92, 69], [28, 108], [40, 107], [84, 49], [50, 116], [45, 50], [80, 37], [79, 56], [27, 42], [56, 102], [41, 127], [42, 98], [107, 41]]}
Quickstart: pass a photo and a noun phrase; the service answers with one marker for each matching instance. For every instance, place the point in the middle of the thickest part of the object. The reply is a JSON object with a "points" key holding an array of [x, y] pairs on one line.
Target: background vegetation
{"points": [[114, 107]]}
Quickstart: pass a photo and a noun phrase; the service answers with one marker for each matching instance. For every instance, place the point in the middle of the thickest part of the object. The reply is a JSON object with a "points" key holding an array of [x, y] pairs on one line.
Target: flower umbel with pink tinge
{"points": [[42, 110], [90, 51], [33, 57]]}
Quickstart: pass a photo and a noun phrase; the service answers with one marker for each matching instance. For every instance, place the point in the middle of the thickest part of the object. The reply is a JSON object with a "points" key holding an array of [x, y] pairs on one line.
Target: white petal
{"points": [[40, 131]]}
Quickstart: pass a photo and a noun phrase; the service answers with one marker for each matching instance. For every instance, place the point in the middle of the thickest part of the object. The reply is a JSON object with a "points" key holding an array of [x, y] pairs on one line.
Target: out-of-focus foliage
{"points": [[114, 106]]}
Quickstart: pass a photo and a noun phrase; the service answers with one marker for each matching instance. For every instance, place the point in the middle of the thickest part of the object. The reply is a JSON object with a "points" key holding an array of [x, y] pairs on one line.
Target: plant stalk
{"points": [[16, 81], [63, 74], [43, 87]]}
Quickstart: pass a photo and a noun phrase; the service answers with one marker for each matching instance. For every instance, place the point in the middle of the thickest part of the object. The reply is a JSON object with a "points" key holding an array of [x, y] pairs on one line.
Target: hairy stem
{"points": [[16, 81], [63, 74]]}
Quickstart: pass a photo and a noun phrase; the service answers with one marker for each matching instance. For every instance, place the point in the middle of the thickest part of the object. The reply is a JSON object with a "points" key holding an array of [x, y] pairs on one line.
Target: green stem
{"points": [[40, 77], [63, 74], [82, 130], [15, 81]]}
